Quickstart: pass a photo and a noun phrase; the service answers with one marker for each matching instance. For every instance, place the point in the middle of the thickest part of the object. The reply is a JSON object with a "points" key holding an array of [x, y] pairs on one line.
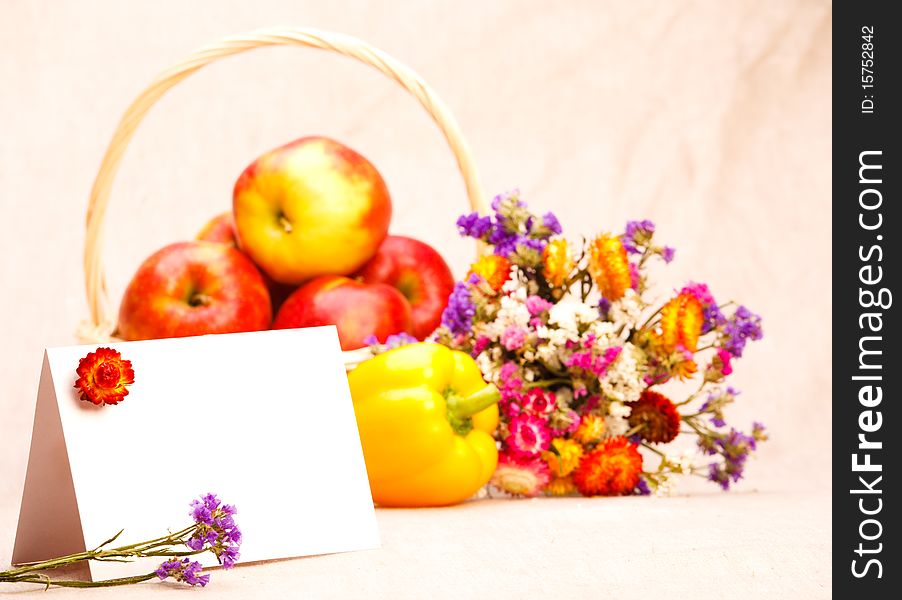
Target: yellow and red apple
{"points": [[194, 288], [419, 272], [311, 207], [221, 230], [358, 310]]}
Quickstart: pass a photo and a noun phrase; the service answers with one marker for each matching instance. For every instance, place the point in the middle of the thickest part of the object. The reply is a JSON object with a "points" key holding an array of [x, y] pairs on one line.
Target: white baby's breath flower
{"points": [[563, 314], [548, 355], [513, 311], [615, 426], [487, 366], [617, 409], [682, 462], [665, 486], [513, 282], [627, 310], [622, 381]]}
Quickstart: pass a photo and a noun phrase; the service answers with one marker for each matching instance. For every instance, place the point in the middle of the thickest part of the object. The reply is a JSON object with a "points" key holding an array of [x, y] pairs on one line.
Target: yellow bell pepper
{"points": [[426, 419]]}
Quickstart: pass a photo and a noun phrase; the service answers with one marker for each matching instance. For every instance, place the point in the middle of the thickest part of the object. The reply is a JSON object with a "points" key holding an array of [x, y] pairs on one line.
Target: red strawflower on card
{"points": [[102, 377]]}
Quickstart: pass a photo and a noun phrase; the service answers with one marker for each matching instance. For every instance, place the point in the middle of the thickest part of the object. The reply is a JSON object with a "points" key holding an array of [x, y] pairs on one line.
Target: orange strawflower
{"points": [[590, 429], [612, 469], [494, 270], [681, 323], [609, 266], [557, 262], [684, 369], [102, 377]]}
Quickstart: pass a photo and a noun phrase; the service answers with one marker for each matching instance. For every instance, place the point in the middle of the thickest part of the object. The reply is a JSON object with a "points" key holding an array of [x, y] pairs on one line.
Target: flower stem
{"points": [[46, 581]]}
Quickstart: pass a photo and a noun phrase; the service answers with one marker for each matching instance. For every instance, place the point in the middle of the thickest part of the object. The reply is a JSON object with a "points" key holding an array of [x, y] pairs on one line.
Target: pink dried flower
{"points": [[563, 423], [597, 365], [529, 435], [635, 276], [539, 402], [513, 338], [482, 342], [521, 476], [725, 356], [511, 384], [536, 305]]}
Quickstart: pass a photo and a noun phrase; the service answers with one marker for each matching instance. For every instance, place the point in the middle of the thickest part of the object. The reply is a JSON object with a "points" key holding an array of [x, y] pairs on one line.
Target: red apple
{"points": [[312, 207], [194, 288], [359, 310], [419, 272], [221, 229]]}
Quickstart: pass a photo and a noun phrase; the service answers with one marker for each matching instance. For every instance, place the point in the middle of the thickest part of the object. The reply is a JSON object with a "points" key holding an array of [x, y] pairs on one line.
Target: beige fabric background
{"points": [[711, 118]]}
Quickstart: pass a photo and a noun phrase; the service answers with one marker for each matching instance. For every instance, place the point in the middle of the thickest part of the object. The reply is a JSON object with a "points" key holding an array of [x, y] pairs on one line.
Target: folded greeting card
{"points": [[264, 419]]}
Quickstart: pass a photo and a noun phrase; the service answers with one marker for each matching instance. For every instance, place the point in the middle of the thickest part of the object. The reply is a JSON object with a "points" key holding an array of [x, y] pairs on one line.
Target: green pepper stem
{"points": [[464, 407]]}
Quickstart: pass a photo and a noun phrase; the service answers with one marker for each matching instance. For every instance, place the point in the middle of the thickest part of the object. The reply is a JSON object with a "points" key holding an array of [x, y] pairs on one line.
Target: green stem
{"points": [[139, 549], [46, 581], [546, 383]]}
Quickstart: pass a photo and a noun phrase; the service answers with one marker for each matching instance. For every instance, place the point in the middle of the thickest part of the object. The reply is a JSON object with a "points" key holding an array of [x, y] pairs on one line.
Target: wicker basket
{"points": [[101, 327]]}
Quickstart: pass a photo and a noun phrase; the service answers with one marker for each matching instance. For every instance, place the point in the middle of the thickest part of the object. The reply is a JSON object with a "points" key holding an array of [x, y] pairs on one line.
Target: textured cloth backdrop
{"points": [[711, 118]]}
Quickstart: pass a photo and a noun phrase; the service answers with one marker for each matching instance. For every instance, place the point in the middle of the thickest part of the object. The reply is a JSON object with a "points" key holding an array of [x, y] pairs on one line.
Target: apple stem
{"points": [[285, 223], [199, 299]]}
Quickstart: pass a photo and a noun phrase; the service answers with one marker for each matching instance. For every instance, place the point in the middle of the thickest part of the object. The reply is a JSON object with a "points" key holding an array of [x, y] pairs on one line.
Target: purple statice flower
{"points": [[637, 234], [215, 529], [507, 201], [712, 317], [504, 241], [473, 225], [395, 340], [715, 403], [458, 315], [667, 253], [604, 308], [530, 243], [642, 488], [744, 325], [550, 222], [183, 570], [735, 448]]}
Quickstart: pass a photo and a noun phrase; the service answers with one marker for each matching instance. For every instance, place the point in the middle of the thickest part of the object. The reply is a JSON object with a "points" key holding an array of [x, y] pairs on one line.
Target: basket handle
{"points": [[101, 326]]}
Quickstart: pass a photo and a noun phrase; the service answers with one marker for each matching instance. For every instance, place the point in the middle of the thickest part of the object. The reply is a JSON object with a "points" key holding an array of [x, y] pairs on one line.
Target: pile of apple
{"points": [[306, 244]]}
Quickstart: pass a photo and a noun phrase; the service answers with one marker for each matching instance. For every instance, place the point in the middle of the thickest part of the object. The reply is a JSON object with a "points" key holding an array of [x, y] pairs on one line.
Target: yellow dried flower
{"points": [[560, 486], [609, 266], [557, 262], [681, 323], [567, 458], [494, 270], [590, 429]]}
